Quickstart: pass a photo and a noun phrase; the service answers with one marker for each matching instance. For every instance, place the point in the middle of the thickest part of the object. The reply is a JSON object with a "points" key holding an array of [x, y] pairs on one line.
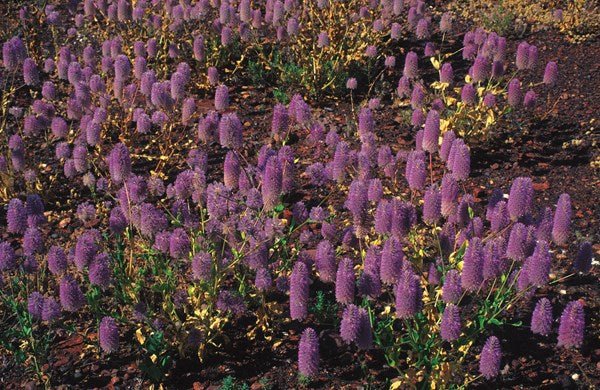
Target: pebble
{"points": [[575, 377]]}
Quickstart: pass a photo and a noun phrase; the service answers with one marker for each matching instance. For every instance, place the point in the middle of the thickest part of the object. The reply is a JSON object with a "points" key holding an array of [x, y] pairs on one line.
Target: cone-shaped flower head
{"points": [[325, 261], [391, 261], [408, 294], [520, 197], [541, 319], [452, 289], [431, 133], [71, 297], [345, 282], [551, 74], [308, 353], [432, 205], [572, 325], [119, 163], [450, 326], [411, 65], [230, 131], [490, 358], [562, 220], [221, 98], [272, 183], [472, 272], [299, 291], [108, 335]]}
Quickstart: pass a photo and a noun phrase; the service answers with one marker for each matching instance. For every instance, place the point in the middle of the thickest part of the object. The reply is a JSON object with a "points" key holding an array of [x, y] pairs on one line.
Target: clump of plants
{"points": [[578, 19]]}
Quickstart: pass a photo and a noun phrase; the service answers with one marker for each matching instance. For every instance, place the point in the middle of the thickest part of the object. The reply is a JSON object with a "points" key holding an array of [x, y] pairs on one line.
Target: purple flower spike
{"points": [[562, 220], [281, 120], [472, 272], [572, 325], [391, 261], [350, 324], [416, 170], [450, 326], [447, 141], [344, 282], [452, 290], [459, 160], [56, 260], [446, 73], [541, 319], [515, 95], [520, 197], [35, 304], [230, 131], [516, 248], [408, 295], [272, 183], [299, 291], [221, 98], [522, 56], [16, 216], [50, 310], [551, 74], [119, 163], [449, 195], [468, 94], [481, 69], [71, 297], [431, 134], [432, 205], [490, 359], [31, 74], [7, 256], [411, 65], [108, 335], [33, 242], [308, 353], [538, 264], [325, 261]]}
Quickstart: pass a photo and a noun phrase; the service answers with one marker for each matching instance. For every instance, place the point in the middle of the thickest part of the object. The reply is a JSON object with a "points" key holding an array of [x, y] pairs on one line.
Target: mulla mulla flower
{"points": [[450, 327], [392, 258], [230, 131], [119, 163], [345, 282], [411, 67], [551, 74], [541, 319], [308, 353], [472, 272], [520, 197], [108, 335], [299, 291], [408, 294], [490, 358], [572, 326], [71, 297], [431, 131], [562, 220], [56, 260], [325, 261]]}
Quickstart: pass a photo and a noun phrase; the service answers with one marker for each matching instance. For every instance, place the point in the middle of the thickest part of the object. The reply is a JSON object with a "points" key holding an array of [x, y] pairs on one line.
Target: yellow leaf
{"points": [[140, 337], [435, 63], [444, 123]]}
